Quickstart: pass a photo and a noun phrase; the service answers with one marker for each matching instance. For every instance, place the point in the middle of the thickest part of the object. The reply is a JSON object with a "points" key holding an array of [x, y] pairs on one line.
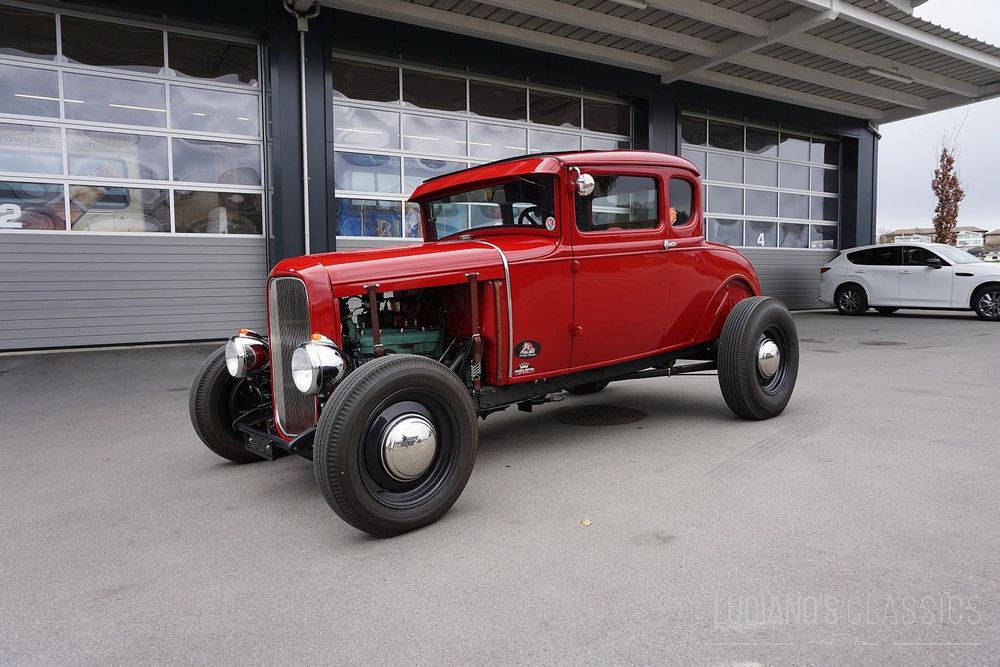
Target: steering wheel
{"points": [[526, 216]]}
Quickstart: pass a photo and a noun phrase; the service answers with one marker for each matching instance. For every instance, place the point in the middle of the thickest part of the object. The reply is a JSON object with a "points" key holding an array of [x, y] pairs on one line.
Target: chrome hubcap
{"points": [[408, 447], [989, 303], [850, 300], [768, 358]]}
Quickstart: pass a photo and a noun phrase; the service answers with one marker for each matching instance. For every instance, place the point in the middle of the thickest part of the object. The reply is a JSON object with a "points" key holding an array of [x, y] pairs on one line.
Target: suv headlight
{"points": [[246, 353], [317, 365]]}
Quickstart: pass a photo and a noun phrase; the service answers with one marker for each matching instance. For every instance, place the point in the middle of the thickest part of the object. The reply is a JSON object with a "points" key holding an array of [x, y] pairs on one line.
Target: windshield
{"points": [[954, 255], [523, 201]]}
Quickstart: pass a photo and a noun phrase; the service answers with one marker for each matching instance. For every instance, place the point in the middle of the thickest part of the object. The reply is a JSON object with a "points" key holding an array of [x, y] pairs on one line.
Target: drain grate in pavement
{"points": [[598, 415], [882, 343]]}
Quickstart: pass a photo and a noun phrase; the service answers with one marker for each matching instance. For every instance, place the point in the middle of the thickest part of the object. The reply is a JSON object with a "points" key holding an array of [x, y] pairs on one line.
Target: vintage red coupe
{"points": [[536, 275]]}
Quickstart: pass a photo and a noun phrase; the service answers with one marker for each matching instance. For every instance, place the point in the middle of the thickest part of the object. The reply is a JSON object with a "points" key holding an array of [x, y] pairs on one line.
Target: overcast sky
{"points": [[908, 150]]}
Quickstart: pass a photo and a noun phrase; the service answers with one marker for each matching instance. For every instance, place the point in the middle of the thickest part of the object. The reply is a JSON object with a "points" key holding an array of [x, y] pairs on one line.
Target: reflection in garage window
{"points": [[30, 150], [106, 208], [27, 34], [120, 155], [32, 206], [368, 217], [721, 230], [216, 162], [199, 212]]}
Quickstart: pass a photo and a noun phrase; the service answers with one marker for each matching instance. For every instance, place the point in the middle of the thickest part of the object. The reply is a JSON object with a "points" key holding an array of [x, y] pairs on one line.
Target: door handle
{"points": [[667, 245], [859, 270]]}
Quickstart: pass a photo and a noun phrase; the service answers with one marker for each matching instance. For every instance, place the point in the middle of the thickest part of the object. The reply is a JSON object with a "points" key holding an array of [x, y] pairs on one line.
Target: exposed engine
{"points": [[411, 322]]}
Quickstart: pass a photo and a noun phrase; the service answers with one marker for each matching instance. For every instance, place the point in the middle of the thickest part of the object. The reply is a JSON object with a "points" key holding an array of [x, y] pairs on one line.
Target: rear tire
{"points": [[353, 454], [211, 403], [758, 358], [885, 310], [986, 302], [851, 299], [589, 388]]}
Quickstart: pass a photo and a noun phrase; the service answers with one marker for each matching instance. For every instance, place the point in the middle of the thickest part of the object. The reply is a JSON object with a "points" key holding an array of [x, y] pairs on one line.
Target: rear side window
{"points": [[617, 203], [681, 194], [884, 256]]}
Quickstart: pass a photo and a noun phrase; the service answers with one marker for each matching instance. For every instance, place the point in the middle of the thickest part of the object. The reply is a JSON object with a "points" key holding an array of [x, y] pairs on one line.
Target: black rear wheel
{"points": [[215, 401], [395, 444], [758, 358], [986, 301], [851, 299]]}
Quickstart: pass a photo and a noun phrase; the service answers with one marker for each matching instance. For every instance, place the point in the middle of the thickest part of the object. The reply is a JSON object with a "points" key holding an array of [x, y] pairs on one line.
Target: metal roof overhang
{"points": [[868, 59]]}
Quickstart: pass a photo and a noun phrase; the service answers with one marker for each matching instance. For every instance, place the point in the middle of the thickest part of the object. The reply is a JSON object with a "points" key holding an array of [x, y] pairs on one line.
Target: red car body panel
{"points": [[588, 299]]}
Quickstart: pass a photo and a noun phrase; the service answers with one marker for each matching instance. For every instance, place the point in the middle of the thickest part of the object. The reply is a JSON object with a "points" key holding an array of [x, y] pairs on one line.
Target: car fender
{"points": [[733, 290]]}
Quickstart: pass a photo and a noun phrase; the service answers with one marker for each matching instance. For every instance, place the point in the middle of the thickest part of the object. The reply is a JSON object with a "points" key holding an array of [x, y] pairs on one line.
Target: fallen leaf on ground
{"points": [[585, 522]]}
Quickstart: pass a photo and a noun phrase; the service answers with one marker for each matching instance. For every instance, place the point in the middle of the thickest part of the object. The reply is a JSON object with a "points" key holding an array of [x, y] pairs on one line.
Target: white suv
{"points": [[910, 275]]}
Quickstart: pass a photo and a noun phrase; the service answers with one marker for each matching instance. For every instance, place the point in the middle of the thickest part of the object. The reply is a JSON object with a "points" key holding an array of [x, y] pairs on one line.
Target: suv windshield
{"points": [[525, 201], [954, 255]]}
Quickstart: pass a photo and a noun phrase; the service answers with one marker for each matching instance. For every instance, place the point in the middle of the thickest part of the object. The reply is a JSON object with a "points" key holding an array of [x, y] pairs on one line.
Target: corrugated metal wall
{"points": [[58, 290], [789, 274]]}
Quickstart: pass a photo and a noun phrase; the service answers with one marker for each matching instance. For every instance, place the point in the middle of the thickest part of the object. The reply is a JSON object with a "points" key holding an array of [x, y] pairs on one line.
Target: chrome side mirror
{"points": [[585, 184]]}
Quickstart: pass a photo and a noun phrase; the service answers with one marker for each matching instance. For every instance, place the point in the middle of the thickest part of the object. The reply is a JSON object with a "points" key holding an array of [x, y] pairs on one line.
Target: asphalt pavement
{"points": [[861, 526]]}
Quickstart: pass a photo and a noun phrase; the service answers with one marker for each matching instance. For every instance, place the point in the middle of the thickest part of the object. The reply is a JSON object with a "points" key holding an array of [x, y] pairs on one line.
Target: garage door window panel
{"points": [[433, 91], [28, 91], [493, 142], [198, 212], [365, 81], [27, 149], [823, 237], [215, 111], [722, 230], [202, 161], [212, 59], [366, 128], [115, 100], [418, 170], [497, 101], [762, 234], [32, 206], [112, 45], [368, 217], [119, 155], [107, 208], [27, 34], [434, 135]]}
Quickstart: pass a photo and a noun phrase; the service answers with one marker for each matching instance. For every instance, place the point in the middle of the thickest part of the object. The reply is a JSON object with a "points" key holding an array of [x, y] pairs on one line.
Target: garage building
{"points": [[156, 158]]}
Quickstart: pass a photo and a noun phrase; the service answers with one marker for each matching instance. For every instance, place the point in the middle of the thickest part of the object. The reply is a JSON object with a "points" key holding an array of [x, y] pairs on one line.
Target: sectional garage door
{"points": [[131, 182]]}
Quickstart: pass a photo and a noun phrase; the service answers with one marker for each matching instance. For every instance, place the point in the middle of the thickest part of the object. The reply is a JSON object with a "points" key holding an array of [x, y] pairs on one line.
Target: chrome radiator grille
{"points": [[288, 327]]}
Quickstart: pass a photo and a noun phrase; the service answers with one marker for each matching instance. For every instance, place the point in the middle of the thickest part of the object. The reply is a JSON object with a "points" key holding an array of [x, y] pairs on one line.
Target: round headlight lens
{"points": [[235, 358], [305, 373]]}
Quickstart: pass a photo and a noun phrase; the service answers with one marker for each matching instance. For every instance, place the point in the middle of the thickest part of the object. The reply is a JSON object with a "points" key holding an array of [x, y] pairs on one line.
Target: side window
{"points": [[857, 257], [914, 256], [617, 203], [881, 256], [681, 194]]}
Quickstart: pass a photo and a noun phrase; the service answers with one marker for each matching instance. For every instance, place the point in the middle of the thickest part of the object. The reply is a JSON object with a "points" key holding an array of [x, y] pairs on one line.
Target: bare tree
{"points": [[949, 194]]}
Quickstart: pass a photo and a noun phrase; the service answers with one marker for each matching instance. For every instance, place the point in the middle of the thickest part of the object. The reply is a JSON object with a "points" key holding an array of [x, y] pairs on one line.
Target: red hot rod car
{"points": [[536, 275]]}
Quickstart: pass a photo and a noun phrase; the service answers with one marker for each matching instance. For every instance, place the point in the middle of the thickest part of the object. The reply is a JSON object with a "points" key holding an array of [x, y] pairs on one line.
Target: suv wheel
{"points": [[758, 358], [395, 444], [851, 299], [987, 303]]}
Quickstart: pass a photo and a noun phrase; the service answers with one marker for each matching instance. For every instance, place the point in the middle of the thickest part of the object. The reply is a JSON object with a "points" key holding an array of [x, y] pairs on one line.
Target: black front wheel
{"points": [[986, 301], [758, 358], [215, 401], [395, 444]]}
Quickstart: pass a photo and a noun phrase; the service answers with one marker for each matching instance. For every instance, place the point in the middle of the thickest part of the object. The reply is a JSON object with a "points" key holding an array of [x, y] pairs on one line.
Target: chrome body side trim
{"points": [[510, 308]]}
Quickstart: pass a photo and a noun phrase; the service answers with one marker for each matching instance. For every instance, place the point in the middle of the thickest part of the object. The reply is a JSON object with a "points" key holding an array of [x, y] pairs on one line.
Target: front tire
{"points": [[395, 444], [986, 302], [851, 299], [758, 358], [215, 400]]}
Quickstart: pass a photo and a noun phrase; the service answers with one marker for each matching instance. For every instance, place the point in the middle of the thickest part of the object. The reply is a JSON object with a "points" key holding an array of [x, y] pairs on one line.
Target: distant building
{"points": [[968, 237], [992, 238]]}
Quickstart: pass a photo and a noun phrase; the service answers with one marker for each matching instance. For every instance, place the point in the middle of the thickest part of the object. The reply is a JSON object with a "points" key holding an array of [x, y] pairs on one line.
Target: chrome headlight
{"points": [[317, 365], [246, 353]]}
